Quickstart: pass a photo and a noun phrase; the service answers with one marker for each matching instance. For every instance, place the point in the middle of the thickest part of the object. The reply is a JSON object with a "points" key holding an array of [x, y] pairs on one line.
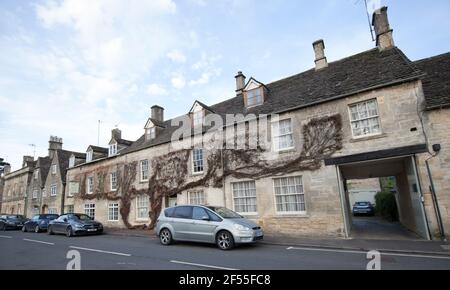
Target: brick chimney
{"points": [[383, 30], [55, 143], [116, 134], [158, 113], [319, 51], [240, 83]]}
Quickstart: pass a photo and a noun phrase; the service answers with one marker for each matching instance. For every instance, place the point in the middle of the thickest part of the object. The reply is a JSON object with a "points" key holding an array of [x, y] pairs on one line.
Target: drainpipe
{"points": [[435, 201]]}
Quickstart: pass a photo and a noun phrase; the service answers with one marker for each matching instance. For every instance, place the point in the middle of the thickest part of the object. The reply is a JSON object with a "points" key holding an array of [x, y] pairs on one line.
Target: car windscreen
{"points": [[49, 217], [362, 203], [82, 217], [225, 212], [15, 217]]}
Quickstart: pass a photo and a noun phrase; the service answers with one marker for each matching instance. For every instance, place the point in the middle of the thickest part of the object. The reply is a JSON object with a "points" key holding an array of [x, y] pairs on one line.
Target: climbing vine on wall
{"points": [[169, 173]]}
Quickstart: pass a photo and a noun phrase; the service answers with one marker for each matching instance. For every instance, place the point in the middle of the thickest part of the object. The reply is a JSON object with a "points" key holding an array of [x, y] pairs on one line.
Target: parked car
{"points": [[12, 221], [207, 224], [38, 222], [363, 208], [74, 224]]}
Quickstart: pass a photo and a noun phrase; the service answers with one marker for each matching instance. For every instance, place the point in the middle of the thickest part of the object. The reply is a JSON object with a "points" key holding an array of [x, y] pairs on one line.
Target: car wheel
{"points": [[165, 237], [69, 232], [225, 240], [37, 229], [50, 230]]}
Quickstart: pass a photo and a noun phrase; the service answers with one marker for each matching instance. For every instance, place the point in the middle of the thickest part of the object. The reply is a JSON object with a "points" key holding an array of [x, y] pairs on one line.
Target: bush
{"points": [[386, 206]]}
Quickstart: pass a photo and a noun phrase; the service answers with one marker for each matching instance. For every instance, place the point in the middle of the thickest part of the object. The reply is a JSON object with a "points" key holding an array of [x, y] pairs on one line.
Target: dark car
{"points": [[363, 208], [74, 224], [12, 221], [38, 223]]}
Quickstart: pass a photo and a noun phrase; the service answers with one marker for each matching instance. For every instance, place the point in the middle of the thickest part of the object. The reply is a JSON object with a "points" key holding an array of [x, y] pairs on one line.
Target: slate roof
{"points": [[44, 164], [79, 155], [157, 123], [63, 161], [124, 142], [358, 73], [436, 82], [99, 149]]}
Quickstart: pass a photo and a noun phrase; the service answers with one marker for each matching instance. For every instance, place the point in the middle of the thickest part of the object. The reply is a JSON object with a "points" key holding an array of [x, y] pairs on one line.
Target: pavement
{"points": [[133, 250], [402, 245]]}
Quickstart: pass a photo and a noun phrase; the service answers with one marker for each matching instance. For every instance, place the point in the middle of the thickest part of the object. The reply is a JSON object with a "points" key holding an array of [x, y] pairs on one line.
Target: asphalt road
{"points": [[40, 251]]}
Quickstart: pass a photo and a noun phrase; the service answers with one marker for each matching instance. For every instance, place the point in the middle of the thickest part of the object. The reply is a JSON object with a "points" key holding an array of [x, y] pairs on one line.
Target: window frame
{"points": [[112, 150], [139, 205], [53, 190], [113, 181], [72, 161], [90, 184], [276, 135], [89, 207], [141, 171], [284, 213], [194, 162], [190, 193], [34, 194], [254, 96], [196, 119], [378, 117], [89, 156], [114, 209], [53, 169], [250, 213], [151, 133]]}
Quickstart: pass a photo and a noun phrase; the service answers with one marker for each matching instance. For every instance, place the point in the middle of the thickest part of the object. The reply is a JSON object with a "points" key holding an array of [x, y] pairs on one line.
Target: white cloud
{"points": [[176, 56], [156, 90], [178, 81]]}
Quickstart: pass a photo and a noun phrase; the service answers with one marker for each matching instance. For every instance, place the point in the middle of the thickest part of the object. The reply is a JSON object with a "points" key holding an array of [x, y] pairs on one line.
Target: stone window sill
{"points": [[354, 140]]}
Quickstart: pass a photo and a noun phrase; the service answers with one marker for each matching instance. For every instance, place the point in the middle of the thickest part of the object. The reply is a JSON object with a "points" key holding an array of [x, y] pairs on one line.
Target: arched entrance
{"points": [[44, 209]]}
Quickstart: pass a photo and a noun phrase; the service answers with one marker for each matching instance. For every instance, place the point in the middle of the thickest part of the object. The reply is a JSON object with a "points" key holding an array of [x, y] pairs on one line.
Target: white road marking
{"points": [[202, 265], [40, 242], [100, 251], [364, 252], [6, 237]]}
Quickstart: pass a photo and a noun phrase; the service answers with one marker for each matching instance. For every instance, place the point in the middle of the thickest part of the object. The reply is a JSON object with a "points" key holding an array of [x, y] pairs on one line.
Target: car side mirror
{"points": [[65, 220], [205, 218]]}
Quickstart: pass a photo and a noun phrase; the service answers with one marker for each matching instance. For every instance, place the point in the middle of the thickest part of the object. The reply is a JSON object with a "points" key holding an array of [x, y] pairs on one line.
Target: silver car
{"points": [[207, 224]]}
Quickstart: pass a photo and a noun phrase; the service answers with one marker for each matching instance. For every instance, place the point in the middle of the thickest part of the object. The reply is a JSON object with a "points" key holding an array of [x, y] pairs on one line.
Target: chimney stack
{"points": [[319, 51], [116, 134], [383, 30], [240, 83], [55, 143], [6, 169], [27, 159], [158, 113]]}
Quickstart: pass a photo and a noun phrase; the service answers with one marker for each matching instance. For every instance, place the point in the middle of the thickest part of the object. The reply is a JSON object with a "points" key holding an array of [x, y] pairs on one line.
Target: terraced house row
{"points": [[388, 116]]}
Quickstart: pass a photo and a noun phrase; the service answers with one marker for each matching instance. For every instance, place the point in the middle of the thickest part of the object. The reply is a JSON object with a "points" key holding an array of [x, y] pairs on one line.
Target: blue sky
{"points": [[66, 64]]}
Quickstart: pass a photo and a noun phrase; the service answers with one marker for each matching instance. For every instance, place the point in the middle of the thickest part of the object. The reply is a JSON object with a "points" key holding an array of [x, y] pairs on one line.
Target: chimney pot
{"points": [[27, 159], [116, 134], [158, 113], [319, 51], [55, 143], [383, 31], [240, 83]]}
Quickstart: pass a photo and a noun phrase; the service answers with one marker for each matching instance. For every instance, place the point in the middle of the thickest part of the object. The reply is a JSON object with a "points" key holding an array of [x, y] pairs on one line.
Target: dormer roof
{"points": [[253, 84], [198, 103], [154, 123]]}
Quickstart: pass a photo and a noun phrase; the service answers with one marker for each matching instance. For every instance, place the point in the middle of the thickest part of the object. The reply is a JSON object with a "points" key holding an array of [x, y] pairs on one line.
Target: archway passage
{"points": [[408, 220]]}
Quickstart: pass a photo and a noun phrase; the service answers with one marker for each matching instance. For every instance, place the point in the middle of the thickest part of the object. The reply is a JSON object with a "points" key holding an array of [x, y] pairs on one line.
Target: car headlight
{"points": [[241, 227], [78, 225]]}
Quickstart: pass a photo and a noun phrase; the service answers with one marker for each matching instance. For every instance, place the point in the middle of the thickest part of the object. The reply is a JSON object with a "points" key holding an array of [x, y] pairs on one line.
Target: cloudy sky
{"points": [[65, 64]]}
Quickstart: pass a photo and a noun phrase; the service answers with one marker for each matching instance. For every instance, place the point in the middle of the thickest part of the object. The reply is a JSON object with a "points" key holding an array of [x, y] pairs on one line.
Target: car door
{"points": [[60, 224], [181, 222], [203, 227], [30, 225]]}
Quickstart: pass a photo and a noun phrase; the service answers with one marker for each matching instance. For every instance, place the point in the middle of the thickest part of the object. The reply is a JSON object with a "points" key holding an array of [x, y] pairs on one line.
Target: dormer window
{"points": [[254, 98], [197, 118], [72, 161], [113, 149], [151, 133], [254, 93], [89, 156]]}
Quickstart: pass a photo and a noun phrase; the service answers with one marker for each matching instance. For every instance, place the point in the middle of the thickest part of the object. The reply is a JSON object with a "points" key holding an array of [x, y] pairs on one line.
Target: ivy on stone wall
{"points": [[169, 173]]}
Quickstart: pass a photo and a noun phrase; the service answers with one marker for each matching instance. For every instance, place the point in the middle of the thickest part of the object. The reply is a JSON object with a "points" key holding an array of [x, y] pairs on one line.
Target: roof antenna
{"points": [[34, 150], [98, 133], [368, 19]]}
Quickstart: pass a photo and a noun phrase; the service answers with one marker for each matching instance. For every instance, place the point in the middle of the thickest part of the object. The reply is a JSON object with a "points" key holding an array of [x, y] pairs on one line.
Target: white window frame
{"points": [[113, 212], [251, 94], [53, 190], [44, 193], [89, 208], [234, 198], [141, 170], [113, 181], [368, 118], [112, 150], [197, 197], [52, 210], [198, 118], [304, 212], [194, 162], [53, 168], [276, 135], [89, 156], [72, 161], [142, 202], [151, 133], [70, 208], [36, 174], [90, 185], [34, 194]]}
